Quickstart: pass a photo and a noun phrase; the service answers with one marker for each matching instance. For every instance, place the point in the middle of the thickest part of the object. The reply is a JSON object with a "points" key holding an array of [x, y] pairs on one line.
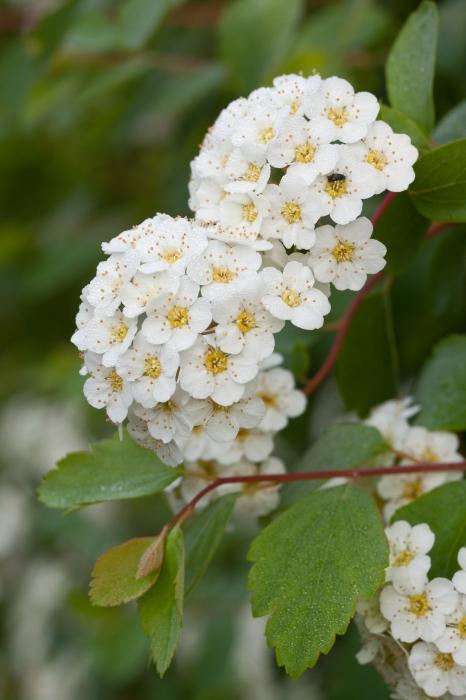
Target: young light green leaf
{"points": [[114, 576], [310, 567], [443, 509], [161, 607], [266, 29], [411, 65], [442, 386], [401, 123], [452, 126], [439, 190], [203, 536], [112, 470], [367, 367], [402, 230]]}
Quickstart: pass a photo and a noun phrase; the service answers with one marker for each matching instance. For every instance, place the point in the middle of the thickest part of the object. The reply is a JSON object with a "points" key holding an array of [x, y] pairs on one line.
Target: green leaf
{"points": [[443, 509], [402, 230], [442, 386], [254, 36], [92, 32], [452, 126], [403, 124], [367, 370], [114, 576], [203, 536], [138, 20], [310, 567], [411, 65], [161, 607], [439, 190], [111, 471]]}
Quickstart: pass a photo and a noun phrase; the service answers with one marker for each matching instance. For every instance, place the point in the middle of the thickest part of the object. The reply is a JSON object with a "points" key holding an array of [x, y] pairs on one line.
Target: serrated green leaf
{"points": [[439, 190], [442, 386], [402, 230], [452, 126], [403, 124], [443, 509], [367, 370], [254, 36], [114, 576], [203, 536], [310, 567], [111, 471], [411, 64], [161, 607]]}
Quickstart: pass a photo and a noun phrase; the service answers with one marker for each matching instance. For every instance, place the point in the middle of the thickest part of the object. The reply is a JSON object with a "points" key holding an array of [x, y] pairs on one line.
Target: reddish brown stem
{"points": [[437, 227], [418, 468]]}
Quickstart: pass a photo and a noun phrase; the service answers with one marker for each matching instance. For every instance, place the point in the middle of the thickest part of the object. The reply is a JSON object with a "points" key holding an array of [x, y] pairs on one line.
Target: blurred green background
{"points": [[103, 105]]}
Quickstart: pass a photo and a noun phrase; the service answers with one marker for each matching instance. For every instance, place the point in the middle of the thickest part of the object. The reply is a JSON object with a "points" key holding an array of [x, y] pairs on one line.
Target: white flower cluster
{"points": [[415, 629]]}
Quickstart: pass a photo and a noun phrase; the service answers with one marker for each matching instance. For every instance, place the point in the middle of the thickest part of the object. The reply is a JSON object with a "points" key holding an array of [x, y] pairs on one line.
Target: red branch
{"points": [[418, 468]]}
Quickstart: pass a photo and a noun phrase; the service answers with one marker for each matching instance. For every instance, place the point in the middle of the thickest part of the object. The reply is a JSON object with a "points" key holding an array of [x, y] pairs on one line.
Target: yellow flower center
{"points": [[222, 275], [215, 361], [242, 434], [294, 106], [304, 153], [119, 333], [152, 367], [246, 321], [343, 252], [404, 558], [250, 212], [291, 298], [336, 185], [252, 174], [267, 134], [115, 381], [171, 255], [444, 661], [377, 159], [429, 456], [291, 212], [270, 400], [461, 627], [412, 489], [418, 605], [339, 116], [178, 317]]}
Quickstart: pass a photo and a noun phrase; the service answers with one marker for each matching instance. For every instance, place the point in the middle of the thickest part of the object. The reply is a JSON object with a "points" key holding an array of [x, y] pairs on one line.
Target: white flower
{"points": [[391, 419], [436, 672], [205, 196], [260, 129], [390, 155], [206, 469], [222, 423], [243, 213], [348, 113], [126, 242], [345, 255], [222, 270], [105, 388], [340, 192], [291, 296], [276, 388], [253, 444], [168, 452], [174, 244], [453, 640], [208, 371], [293, 90], [199, 444], [237, 236], [420, 612], [401, 489], [432, 446], [177, 319], [256, 499], [142, 291], [151, 369], [244, 324], [109, 336], [244, 175], [409, 563], [459, 579], [104, 291], [169, 420], [293, 213], [369, 610]]}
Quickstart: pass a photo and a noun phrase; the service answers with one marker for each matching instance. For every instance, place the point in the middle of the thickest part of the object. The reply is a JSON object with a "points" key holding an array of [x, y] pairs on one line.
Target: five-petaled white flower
{"points": [[409, 562], [105, 388], [436, 672], [175, 244], [223, 270], [276, 388]]}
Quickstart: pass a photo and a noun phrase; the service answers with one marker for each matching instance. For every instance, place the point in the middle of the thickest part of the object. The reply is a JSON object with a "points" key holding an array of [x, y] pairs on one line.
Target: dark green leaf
{"points": [[203, 536], [452, 126], [442, 386], [401, 229], [410, 66], [367, 365], [114, 576], [161, 607], [310, 567], [403, 124], [138, 20], [439, 190], [111, 471], [254, 36], [443, 509]]}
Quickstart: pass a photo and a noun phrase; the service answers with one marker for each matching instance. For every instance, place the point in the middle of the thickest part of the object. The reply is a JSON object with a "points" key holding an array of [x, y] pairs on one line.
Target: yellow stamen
{"points": [[291, 212], [461, 627], [444, 661], [270, 400], [304, 153], [250, 212], [215, 361], [377, 159], [171, 255], [178, 317], [222, 275], [252, 174], [115, 381], [246, 321], [291, 298], [404, 558], [267, 134], [338, 116], [336, 188], [119, 333], [418, 605], [412, 489], [429, 456], [152, 367], [343, 252]]}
